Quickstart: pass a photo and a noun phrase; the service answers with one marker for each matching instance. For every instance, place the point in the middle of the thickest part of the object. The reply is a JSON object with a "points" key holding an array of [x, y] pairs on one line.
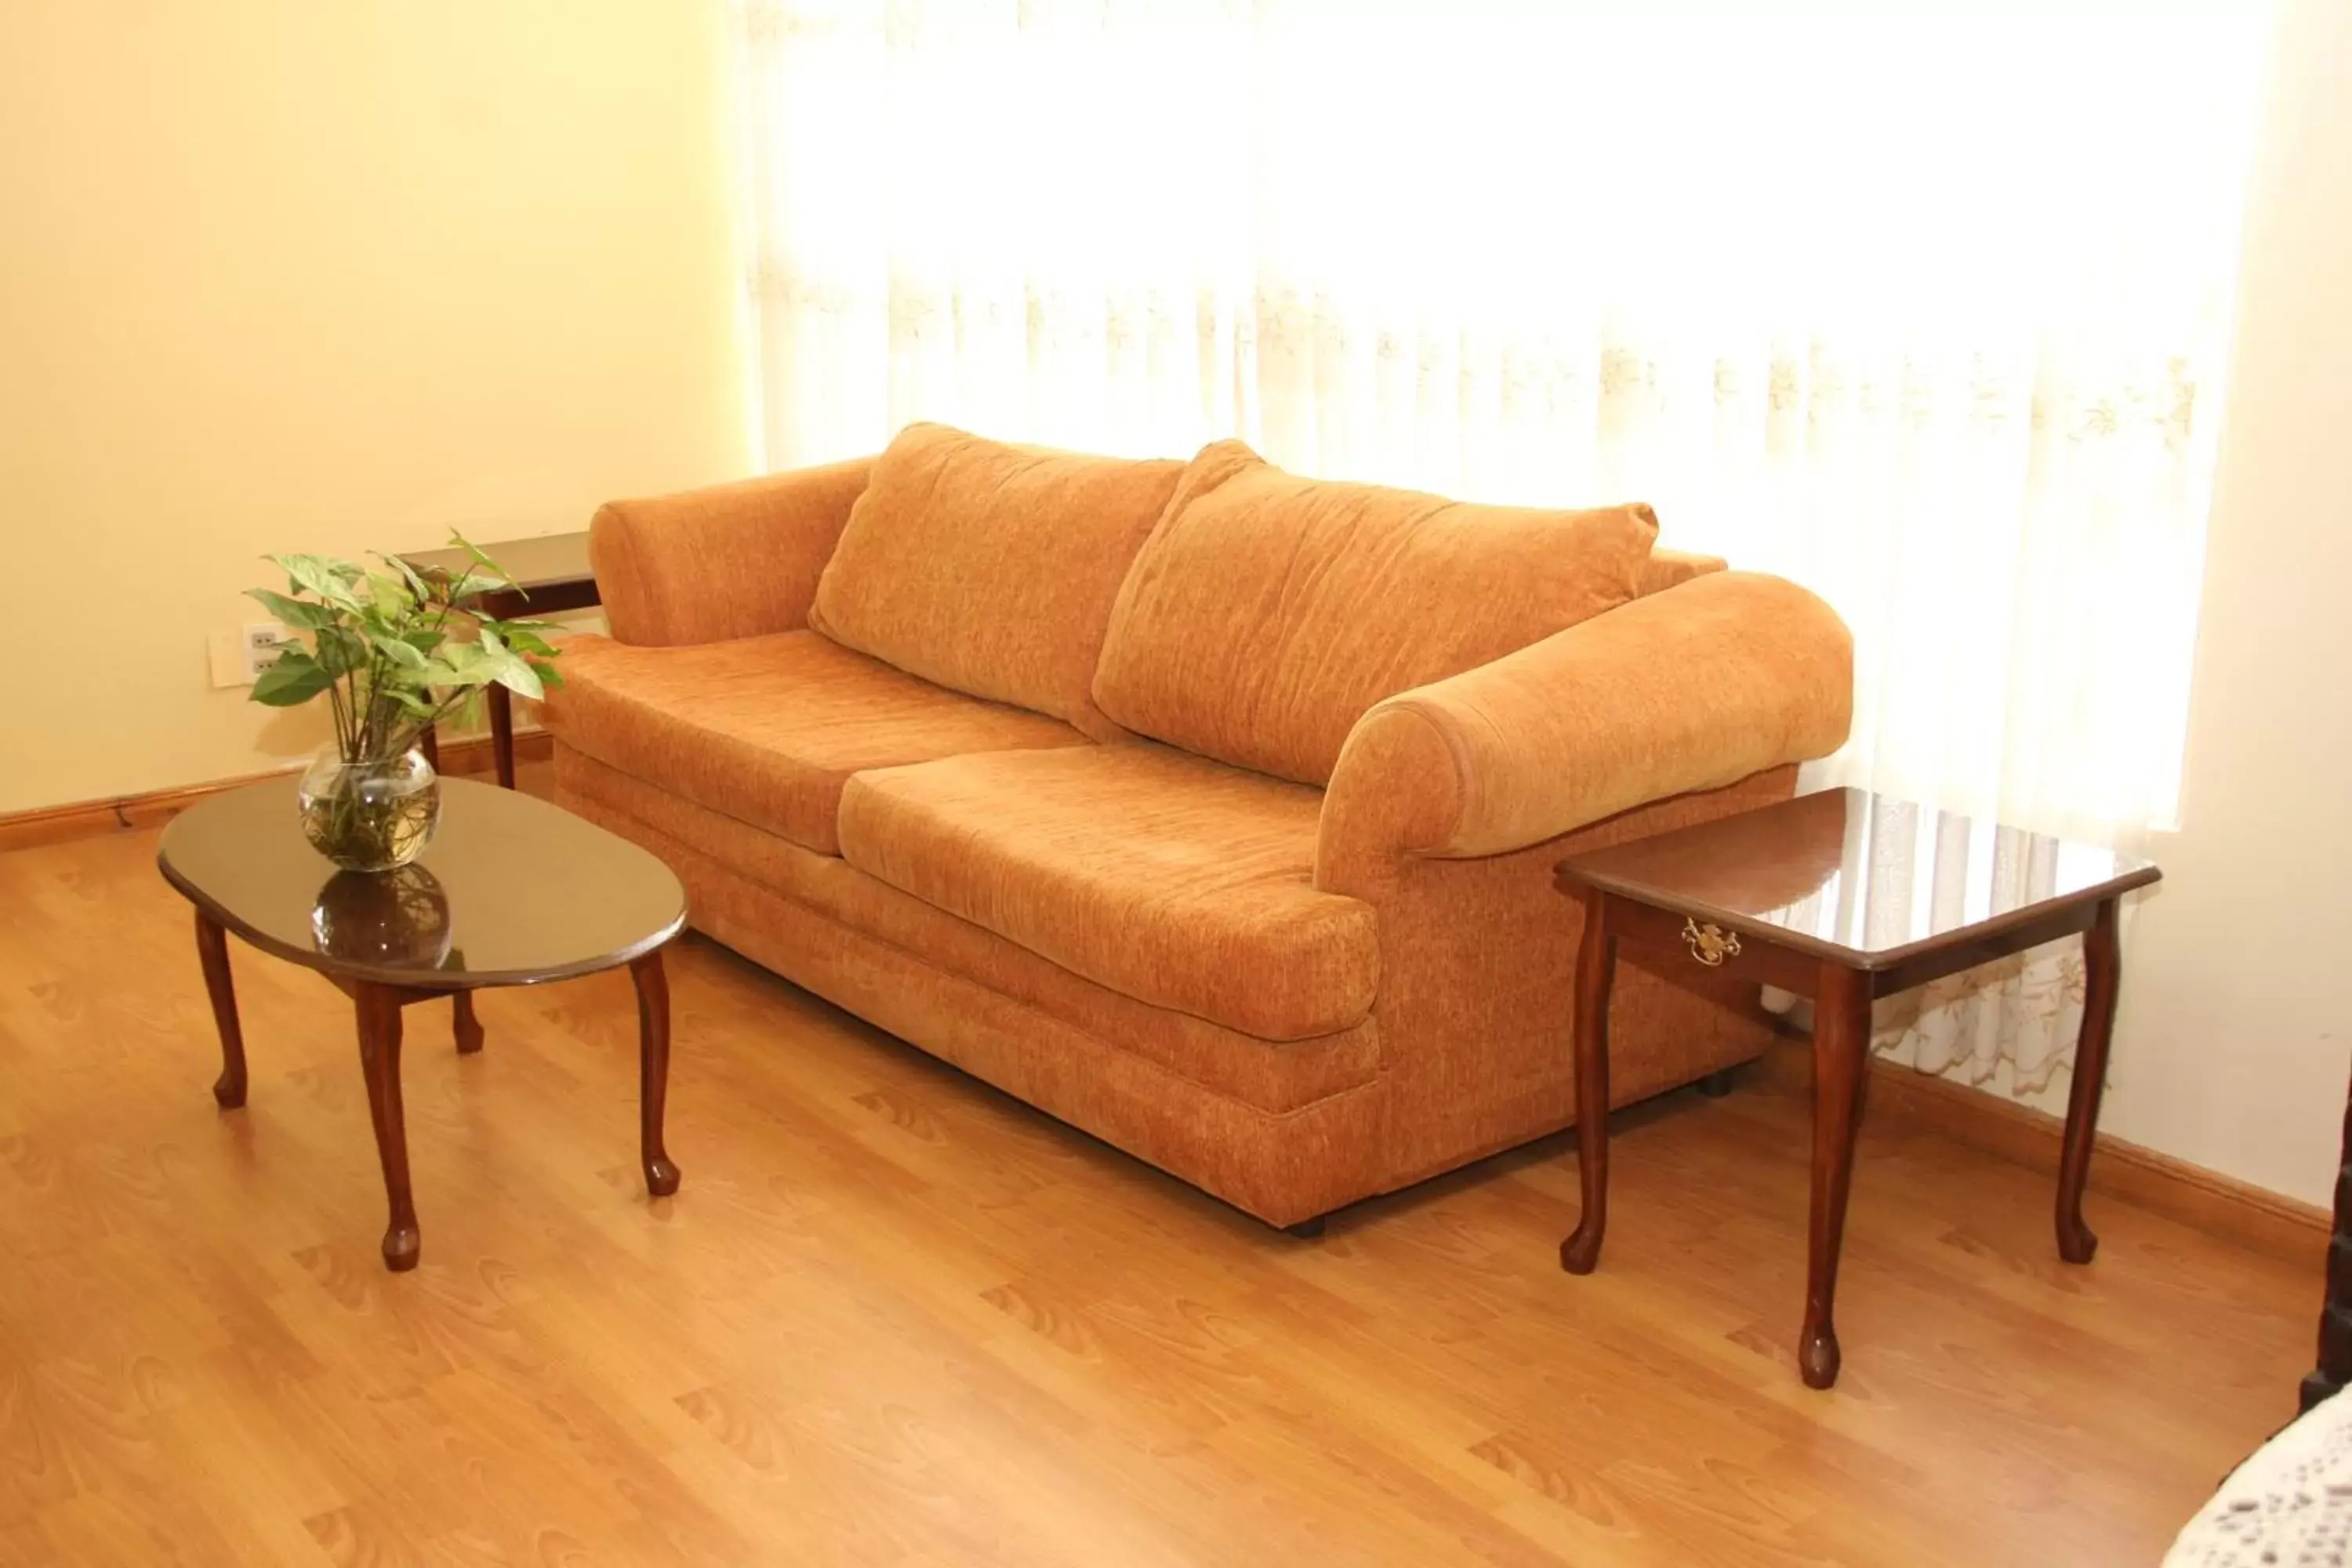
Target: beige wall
{"points": [[286, 275], [2236, 1030]]}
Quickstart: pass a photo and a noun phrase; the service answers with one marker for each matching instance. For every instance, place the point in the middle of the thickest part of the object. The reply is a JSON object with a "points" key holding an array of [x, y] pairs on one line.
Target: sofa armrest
{"points": [[1692, 687], [732, 560]]}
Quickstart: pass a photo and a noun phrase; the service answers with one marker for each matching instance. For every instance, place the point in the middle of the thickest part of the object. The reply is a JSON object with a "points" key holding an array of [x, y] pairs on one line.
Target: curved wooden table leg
{"points": [[1596, 963], [462, 1022], [212, 952], [2103, 978], [1840, 1064], [379, 1019], [653, 1071]]}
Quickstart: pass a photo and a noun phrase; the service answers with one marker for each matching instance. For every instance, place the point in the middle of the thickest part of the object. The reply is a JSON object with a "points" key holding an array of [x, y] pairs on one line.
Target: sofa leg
{"points": [[1716, 1084], [1306, 1229]]}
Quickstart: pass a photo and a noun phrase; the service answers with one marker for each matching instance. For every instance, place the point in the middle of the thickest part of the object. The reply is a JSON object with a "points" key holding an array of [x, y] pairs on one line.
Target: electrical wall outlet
{"points": [[239, 657], [264, 640]]}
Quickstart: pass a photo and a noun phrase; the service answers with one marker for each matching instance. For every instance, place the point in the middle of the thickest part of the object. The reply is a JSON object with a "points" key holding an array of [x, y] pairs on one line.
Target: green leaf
{"points": [[517, 677], [416, 584], [324, 576], [291, 680], [388, 596], [340, 651], [550, 676], [524, 640], [457, 673], [470, 548], [401, 652], [292, 612]]}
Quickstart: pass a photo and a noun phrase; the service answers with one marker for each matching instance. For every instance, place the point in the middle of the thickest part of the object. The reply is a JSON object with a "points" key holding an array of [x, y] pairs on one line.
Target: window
{"points": [[1923, 306]]}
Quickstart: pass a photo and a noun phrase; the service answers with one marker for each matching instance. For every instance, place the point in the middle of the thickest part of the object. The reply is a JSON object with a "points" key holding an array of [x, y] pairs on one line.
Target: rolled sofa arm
{"points": [[1698, 686], [732, 560]]}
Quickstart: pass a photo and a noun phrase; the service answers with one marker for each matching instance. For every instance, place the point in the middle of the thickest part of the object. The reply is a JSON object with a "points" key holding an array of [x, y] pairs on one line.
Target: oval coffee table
{"points": [[513, 891]]}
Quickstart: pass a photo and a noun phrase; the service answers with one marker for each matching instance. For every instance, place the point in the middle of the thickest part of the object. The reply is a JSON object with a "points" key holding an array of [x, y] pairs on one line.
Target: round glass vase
{"points": [[371, 814]]}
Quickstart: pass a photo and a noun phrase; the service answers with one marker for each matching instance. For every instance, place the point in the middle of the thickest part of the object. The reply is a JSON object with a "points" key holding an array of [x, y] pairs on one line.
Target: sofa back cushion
{"points": [[1268, 612], [991, 568]]}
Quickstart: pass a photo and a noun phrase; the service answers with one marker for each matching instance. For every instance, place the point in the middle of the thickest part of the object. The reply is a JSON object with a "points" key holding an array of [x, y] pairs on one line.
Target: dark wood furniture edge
{"points": [[2051, 911], [2048, 924], [1596, 976], [377, 1011], [1840, 1061], [2102, 980], [2190, 1194], [2332, 1368], [651, 981], [500, 703], [554, 597], [1767, 961], [549, 595], [220, 986], [129, 812]]}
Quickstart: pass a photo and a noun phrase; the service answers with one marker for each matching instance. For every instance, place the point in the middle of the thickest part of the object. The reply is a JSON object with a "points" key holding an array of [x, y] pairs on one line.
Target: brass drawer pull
{"points": [[1710, 944]]}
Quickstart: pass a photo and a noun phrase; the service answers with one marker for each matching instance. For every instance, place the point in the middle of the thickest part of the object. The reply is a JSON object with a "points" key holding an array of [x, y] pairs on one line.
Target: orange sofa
{"points": [[1206, 808]]}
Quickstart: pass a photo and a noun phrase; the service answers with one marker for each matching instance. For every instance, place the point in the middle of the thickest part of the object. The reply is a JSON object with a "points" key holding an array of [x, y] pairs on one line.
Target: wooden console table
{"points": [[547, 577], [1844, 897]]}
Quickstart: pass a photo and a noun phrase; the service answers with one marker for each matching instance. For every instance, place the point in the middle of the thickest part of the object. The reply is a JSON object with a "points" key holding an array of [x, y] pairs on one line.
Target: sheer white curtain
{"points": [[1920, 304]]}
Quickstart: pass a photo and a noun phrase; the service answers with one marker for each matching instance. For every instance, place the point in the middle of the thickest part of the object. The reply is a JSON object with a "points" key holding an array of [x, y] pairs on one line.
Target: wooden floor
{"points": [[895, 1317]]}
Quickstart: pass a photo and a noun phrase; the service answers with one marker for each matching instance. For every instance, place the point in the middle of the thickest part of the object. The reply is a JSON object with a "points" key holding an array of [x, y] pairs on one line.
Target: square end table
{"points": [[1844, 897]]}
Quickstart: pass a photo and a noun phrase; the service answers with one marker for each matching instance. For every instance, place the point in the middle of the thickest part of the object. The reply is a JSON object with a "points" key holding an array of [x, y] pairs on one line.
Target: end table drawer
{"points": [[1704, 947]]}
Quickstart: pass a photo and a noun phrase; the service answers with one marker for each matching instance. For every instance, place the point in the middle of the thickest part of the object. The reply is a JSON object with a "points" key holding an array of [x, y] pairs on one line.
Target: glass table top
{"points": [[511, 890], [1848, 874]]}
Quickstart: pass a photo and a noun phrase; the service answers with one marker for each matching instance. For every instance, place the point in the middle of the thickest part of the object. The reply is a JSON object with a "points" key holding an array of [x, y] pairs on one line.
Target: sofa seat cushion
{"points": [[991, 568], [1267, 613], [767, 730], [1164, 877], [1275, 1076]]}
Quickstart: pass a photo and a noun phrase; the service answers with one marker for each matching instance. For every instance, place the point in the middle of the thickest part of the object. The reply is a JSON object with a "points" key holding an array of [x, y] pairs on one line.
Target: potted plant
{"points": [[393, 651]]}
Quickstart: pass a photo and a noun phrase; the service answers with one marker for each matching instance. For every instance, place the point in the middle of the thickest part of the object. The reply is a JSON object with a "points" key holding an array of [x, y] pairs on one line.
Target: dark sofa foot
{"points": [[1306, 1229], [1715, 1085]]}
